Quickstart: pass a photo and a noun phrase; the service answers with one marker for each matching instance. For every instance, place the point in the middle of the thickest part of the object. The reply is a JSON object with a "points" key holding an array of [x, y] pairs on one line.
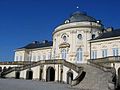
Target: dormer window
{"points": [[79, 36], [67, 21]]}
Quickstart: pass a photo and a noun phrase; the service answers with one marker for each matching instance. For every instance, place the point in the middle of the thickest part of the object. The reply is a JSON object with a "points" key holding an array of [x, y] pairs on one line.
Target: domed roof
{"points": [[80, 16]]}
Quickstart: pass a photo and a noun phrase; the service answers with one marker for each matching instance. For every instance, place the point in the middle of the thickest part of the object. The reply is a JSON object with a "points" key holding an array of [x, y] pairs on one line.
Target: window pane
{"points": [[79, 54], [64, 54], [104, 53], [115, 51]]}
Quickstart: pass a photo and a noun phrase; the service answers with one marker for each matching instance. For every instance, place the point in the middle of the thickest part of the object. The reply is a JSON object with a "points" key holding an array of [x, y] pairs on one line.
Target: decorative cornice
{"points": [[77, 25], [64, 45], [105, 39]]}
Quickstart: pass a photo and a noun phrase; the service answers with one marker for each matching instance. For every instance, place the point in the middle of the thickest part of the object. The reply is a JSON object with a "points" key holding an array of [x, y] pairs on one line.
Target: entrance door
{"points": [[17, 75], [50, 74], [29, 74], [69, 77]]}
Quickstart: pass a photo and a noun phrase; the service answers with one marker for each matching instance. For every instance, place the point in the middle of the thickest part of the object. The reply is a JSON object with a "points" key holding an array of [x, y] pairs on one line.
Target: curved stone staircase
{"points": [[76, 68], [97, 76], [95, 79]]}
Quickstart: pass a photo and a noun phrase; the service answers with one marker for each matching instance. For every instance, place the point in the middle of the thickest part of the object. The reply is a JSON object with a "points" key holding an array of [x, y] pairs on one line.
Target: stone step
{"points": [[95, 79]]}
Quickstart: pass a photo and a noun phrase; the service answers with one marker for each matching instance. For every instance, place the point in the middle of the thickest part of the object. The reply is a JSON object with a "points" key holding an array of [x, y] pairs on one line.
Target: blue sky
{"points": [[24, 21]]}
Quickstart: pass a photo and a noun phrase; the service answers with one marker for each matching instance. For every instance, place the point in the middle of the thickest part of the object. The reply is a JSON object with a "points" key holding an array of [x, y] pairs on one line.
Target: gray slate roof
{"points": [[37, 44], [81, 16], [114, 33]]}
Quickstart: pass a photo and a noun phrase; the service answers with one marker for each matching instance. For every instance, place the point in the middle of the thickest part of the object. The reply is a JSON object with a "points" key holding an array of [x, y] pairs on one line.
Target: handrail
{"points": [[109, 59], [42, 62], [106, 69], [100, 66], [15, 63]]}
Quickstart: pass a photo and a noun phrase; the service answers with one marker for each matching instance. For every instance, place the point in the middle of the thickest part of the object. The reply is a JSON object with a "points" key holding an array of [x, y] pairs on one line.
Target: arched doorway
{"points": [[17, 75], [69, 77], [4, 69], [29, 74], [50, 74]]}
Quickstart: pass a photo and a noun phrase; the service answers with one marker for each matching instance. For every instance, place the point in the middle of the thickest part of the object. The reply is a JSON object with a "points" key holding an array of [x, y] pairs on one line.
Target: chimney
{"points": [[110, 29]]}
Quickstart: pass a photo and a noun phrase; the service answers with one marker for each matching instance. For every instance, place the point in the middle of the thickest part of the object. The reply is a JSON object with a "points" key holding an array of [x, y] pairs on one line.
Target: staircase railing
{"points": [[43, 62], [99, 64]]}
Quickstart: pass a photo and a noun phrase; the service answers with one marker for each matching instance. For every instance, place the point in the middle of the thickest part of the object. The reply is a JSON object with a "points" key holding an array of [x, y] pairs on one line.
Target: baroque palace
{"points": [[82, 53]]}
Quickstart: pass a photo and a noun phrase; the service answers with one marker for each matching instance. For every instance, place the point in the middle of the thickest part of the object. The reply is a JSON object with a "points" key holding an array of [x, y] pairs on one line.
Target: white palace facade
{"points": [[80, 40]]}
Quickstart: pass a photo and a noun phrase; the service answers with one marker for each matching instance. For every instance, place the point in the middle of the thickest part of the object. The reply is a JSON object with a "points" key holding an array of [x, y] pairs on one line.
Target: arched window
{"points": [[79, 36], [64, 53], [64, 38], [79, 54]]}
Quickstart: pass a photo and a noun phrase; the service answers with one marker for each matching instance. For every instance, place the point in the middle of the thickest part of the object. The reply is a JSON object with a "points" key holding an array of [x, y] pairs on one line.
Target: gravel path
{"points": [[14, 84]]}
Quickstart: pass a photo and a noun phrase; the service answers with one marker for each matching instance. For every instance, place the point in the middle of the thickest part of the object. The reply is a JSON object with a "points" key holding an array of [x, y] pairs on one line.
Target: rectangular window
{"points": [[104, 53], [34, 58], [44, 57], [115, 51], [49, 55], [39, 57], [16, 58], [79, 54], [20, 58], [94, 54]]}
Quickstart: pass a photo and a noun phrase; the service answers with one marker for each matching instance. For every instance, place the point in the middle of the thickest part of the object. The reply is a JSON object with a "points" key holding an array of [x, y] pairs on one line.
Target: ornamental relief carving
{"points": [[72, 55], [87, 32], [79, 46], [80, 31], [57, 35], [73, 32], [94, 48], [104, 46], [114, 45], [109, 43]]}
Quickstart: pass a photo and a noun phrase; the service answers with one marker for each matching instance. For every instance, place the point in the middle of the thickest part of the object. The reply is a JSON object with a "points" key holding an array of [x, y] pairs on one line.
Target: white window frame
{"points": [[79, 54], [115, 51], [64, 53], [94, 54]]}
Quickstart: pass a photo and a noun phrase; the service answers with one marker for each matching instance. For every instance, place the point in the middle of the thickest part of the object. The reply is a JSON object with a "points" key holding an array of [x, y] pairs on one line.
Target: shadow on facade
{"points": [[61, 75], [17, 75], [0, 69], [50, 74], [29, 74], [41, 73], [69, 77]]}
